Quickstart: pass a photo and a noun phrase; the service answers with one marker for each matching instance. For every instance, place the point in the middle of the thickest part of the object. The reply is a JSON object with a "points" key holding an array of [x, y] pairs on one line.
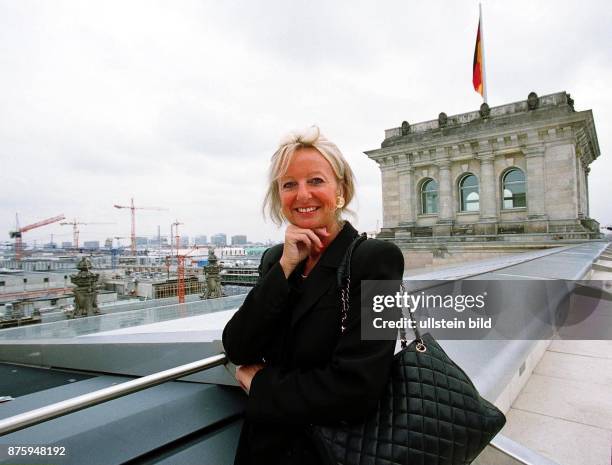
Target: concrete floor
{"points": [[564, 411]]}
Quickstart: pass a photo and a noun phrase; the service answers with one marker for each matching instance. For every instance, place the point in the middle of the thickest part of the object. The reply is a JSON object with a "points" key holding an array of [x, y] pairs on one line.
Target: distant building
{"points": [[66, 245], [239, 239], [516, 172], [256, 250], [219, 240], [201, 240], [230, 251], [108, 243], [142, 241], [92, 245], [184, 241]]}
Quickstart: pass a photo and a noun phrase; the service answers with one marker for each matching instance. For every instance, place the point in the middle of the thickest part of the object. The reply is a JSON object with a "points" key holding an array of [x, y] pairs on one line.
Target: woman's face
{"points": [[308, 191]]}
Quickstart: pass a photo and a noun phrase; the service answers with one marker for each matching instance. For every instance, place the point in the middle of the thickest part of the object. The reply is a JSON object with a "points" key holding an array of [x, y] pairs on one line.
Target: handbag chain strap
{"points": [[344, 282], [420, 345]]}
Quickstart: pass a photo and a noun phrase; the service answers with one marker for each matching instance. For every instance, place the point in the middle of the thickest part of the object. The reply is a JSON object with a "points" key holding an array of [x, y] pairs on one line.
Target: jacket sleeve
{"points": [[349, 386], [250, 329]]}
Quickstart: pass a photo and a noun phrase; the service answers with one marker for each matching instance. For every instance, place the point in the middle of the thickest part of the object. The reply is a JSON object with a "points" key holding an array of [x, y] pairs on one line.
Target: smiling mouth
{"points": [[306, 209]]}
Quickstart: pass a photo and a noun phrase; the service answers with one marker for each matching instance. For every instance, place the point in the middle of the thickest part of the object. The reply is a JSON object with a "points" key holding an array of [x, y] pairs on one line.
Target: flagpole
{"points": [[482, 48]]}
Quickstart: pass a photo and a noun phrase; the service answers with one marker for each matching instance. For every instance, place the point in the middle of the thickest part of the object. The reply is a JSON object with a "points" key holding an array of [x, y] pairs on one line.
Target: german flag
{"points": [[477, 78]]}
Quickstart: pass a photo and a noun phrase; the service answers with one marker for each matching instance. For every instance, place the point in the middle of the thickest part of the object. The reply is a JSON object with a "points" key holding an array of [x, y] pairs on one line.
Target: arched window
{"points": [[429, 196], [513, 187], [468, 193]]}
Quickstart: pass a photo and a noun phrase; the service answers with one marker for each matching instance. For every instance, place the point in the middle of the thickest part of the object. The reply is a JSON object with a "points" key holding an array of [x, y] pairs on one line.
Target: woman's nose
{"points": [[303, 192]]}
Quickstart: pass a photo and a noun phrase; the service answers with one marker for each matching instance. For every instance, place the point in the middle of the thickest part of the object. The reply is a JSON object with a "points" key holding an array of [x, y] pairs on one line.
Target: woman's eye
{"points": [[288, 184], [316, 181]]}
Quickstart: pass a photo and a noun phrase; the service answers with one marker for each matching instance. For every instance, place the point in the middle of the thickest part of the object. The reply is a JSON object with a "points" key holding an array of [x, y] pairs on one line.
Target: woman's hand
{"points": [[299, 244], [245, 374]]}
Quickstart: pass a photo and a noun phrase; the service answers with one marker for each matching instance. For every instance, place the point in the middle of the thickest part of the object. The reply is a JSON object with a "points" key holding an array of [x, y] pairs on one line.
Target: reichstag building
{"points": [[513, 173]]}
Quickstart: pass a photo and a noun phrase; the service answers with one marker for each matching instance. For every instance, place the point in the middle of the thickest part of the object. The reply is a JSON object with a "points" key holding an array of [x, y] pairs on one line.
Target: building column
{"points": [[535, 182], [407, 199], [537, 220], [390, 197], [587, 170], [487, 224], [445, 190], [488, 201]]}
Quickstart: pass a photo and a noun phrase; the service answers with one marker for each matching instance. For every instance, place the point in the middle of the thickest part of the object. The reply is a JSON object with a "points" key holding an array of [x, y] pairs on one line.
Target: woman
{"points": [[297, 365]]}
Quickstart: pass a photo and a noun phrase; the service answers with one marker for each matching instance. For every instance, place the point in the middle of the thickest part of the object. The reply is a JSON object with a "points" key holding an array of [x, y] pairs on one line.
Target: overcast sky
{"points": [[180, 104]]}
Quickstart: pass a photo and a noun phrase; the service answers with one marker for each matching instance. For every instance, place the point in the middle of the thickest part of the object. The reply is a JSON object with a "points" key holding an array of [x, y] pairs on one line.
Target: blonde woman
{"points": [[296, 363]]}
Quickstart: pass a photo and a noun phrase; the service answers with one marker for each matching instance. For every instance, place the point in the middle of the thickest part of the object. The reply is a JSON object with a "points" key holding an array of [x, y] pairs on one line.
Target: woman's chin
{"points": [[307, 223]]}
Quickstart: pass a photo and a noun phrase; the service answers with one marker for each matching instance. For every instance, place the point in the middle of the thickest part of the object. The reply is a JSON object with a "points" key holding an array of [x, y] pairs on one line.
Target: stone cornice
{"points": [[534, 151], [501, 143], [486, 157], [405, 170], [546, 103], [504, 138], [588, 144]]}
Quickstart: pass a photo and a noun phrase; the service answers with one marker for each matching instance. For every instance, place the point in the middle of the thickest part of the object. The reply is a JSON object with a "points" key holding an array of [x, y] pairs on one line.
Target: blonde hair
{"points": [[279, 163]]}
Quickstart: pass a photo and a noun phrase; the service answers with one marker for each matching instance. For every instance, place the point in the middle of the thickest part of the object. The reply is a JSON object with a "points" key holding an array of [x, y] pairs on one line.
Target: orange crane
{"points": [[180, 273], [75, 230], [174, 235], [133, 209], [19, 232], [180, 264]]}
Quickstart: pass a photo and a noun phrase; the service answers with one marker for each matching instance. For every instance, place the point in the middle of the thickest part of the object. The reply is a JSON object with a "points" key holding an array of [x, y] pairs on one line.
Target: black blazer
{"points": [[314, 374]]}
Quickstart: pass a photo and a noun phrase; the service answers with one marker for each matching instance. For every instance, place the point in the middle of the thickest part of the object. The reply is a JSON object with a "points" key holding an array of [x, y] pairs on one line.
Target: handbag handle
{"points": [[344, 277], [344, 283]]}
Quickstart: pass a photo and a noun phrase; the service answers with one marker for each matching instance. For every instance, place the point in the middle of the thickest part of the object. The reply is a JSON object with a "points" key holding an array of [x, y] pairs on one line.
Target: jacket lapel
{"points": [[323, 275]]}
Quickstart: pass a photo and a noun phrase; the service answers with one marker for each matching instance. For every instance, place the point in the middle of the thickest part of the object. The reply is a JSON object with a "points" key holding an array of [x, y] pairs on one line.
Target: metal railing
{"points": [[511, 452], [503, 450], [48, 412]]}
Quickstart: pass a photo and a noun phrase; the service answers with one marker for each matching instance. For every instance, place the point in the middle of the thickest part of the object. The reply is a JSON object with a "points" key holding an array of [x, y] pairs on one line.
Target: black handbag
{"points": [[430, 412]]}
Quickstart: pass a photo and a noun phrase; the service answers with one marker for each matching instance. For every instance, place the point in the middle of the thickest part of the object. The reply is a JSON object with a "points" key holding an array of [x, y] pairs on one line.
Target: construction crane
{"points": [[174, 235], [180, 273], [180, 262], [18, 232], [133, 209], [75, 230]]}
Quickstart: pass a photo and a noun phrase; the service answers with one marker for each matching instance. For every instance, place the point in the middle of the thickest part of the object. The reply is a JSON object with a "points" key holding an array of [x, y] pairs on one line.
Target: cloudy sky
{"points": [[180, 104]]}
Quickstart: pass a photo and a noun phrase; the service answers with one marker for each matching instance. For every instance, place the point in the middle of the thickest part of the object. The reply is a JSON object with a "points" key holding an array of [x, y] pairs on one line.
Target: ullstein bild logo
{"points": [[487, 309]]}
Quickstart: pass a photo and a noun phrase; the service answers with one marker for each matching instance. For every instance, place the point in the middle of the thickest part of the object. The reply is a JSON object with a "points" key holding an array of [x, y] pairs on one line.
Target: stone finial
{"points": [[442, 120], [86, 290], [212, 271], [485, 111], [570, 102], [532, 101], [84, 264], [405, 128]]}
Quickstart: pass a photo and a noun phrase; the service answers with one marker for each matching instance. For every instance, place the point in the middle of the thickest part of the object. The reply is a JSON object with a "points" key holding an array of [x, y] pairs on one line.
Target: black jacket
{"points": [[313, 373]]}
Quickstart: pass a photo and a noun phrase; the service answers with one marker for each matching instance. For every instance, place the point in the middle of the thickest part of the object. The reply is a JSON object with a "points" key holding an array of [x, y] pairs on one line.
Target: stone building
{"points": [[516, 172]]}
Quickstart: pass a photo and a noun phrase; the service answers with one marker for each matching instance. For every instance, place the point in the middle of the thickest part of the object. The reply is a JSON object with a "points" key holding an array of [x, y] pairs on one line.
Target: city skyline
{"points": [[181, 107]]}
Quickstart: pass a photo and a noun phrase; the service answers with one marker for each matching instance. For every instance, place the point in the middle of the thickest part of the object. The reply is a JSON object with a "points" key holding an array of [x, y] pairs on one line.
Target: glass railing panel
{"points": [[111, 321]]}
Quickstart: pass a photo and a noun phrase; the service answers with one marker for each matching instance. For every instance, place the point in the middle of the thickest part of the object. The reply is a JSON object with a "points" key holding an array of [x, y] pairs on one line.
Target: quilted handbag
{"points": [[430, 412]]}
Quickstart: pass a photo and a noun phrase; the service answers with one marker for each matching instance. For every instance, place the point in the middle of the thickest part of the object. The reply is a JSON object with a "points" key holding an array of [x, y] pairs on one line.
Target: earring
{"points": [[339, 202]]}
